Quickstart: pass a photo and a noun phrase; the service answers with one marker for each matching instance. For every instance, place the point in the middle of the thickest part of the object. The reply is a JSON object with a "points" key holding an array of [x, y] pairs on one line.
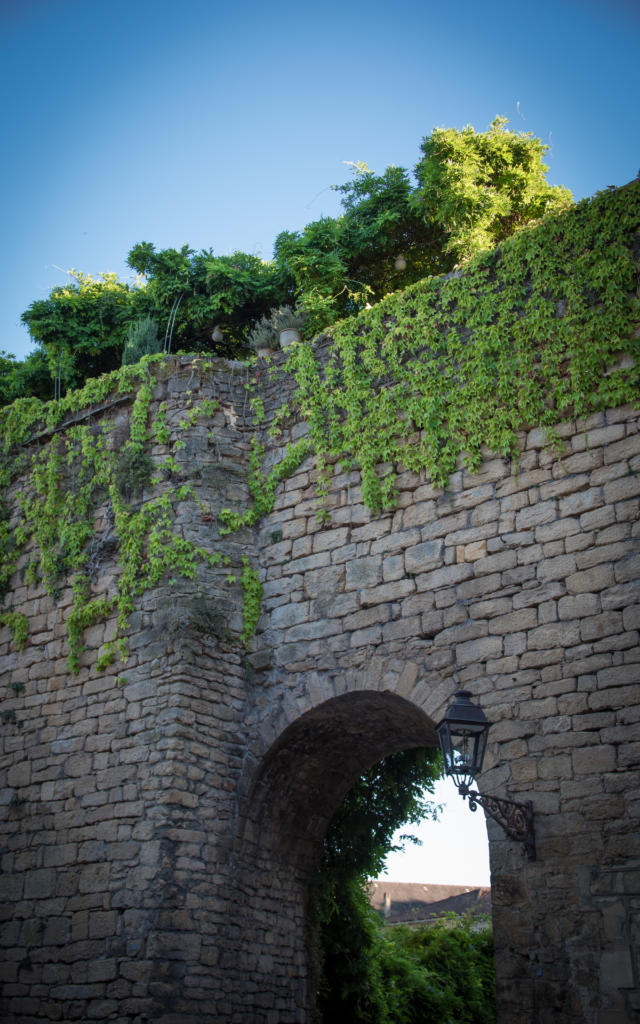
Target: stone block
{"points": [[556, 568], [513, 622], [598, 518], [472, 589], [533, 515], [94, 878], [59, 854], [289, 615], [603, 553], [393, 568], [478, 650], [487, 512], [444, 525], [627, 569], [396, 541], [557, 529], [553, 635], [364, 572], [401, 629], [102, 923], [622, 489], [580, 502], [620, 451], [335, 607], [431, 624], [300, 565], [631, 617], [387, 592], [40, 884], [472, 535], [366, 618], [578, 606], [460, 633], [489, 608], [366, 637], [591, 581], [301, 546], [557, 766], [419, 514], [594, 760], [371, 531], [19, 775], [598, 626], [423, 557], [471, 552], [329, 539], [443, 578], [570, 482], [500, 562]]}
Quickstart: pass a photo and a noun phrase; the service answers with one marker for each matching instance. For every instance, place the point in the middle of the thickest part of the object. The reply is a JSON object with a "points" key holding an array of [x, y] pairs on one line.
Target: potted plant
{"points": [[263, 338], [287, 323]]}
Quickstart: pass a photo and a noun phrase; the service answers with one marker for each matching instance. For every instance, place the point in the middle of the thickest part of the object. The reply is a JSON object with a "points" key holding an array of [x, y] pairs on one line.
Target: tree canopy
{"points": [[478, 188], [470, 190]]}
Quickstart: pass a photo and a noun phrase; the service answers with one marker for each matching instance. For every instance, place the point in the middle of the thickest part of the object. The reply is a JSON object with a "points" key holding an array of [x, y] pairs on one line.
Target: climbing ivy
{"points": [[68, 478], [252, 590], [528, 335], [19, 626], [263, 488]]}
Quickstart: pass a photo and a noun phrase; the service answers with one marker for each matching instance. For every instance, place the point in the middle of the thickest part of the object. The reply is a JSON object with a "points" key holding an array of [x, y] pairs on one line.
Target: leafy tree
{"points": [[378, 244], [473, 189], [193, 293], [25, 379], [389, 246], [439, 974], [82, 326], [314, 259], [477, 188]]}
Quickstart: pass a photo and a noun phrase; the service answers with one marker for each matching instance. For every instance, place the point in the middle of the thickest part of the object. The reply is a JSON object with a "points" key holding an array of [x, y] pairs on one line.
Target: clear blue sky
{"points": [[220, 125]]}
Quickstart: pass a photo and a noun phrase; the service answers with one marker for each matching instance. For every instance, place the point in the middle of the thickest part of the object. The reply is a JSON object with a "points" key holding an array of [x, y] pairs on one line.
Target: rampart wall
{"points": [[161, 822]]}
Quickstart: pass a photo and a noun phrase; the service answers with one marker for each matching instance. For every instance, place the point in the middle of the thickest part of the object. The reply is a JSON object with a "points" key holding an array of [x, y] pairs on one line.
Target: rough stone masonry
{"points": [[159, 837]]}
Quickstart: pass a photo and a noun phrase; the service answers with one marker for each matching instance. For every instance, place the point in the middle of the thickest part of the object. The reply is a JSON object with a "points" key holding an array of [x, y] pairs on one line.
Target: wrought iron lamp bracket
{"points": [[514, 818]]}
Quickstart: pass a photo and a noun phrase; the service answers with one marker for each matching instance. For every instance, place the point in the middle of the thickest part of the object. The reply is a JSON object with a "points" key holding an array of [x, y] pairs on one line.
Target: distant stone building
{"points": [[413, 902]]}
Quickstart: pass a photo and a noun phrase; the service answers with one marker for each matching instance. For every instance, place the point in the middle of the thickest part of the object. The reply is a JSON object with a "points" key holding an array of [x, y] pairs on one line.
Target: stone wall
{"points": [[159, 838]]}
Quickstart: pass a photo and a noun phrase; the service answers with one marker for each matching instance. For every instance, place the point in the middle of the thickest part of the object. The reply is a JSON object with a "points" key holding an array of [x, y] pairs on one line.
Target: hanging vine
{"points": [[527, 335]]}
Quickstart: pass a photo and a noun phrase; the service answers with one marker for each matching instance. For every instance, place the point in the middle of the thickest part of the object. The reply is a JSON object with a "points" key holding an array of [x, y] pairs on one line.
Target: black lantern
{"points": [[463, 740]]}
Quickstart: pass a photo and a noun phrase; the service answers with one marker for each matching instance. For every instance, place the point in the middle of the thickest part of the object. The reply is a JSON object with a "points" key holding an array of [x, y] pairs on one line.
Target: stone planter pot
{"points": [[288, 336]]}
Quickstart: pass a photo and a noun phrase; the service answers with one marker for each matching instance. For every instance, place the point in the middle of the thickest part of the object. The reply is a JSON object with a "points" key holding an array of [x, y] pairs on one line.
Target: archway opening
{"points": [[295, 791]]}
